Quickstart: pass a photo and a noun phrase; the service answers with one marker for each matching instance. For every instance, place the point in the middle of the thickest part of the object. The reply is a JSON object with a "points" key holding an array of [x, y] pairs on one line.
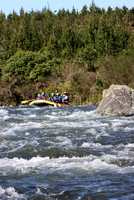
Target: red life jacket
{"points": [[44, 98]]}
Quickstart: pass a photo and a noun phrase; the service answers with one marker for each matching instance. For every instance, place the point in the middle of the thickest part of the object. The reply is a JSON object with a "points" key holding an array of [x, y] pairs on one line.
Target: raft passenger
{"points": [[39, 97], [53, 97], [65, 98], [59, 98], [43, 95]]}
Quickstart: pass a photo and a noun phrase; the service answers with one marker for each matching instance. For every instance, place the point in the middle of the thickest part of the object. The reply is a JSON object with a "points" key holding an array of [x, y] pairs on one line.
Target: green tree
{"points": [[30, 65]]}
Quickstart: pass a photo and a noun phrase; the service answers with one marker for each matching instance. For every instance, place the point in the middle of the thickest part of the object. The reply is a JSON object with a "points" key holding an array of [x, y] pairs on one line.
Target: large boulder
{"points": [[118, 100]]}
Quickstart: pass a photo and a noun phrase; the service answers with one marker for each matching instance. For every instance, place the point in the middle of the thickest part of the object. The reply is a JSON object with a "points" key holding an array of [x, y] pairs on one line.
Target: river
{"points": [[65, 153]]}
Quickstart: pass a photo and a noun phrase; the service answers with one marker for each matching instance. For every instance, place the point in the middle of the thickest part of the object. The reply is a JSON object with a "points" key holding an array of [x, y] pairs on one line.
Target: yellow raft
{"points": [[44, 103]]}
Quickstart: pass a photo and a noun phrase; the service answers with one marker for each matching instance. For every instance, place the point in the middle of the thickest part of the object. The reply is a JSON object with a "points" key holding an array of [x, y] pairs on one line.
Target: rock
{"points": [[118, 100]]}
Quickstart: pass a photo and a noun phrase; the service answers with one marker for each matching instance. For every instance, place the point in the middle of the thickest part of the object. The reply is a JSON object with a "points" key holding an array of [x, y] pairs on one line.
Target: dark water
{"points": [[67, 153]]}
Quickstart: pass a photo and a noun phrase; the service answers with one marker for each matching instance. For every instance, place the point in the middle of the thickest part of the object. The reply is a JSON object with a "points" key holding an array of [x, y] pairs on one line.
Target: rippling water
{"points": [[67, 153]]}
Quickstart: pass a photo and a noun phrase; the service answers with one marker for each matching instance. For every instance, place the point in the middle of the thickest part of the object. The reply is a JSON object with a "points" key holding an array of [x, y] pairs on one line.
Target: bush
{"points": [[117, 70], [31, 65]]}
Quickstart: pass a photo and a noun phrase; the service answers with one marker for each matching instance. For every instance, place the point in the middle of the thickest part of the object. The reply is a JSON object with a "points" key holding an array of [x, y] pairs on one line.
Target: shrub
{"points": [[31, 65], [117, 70]]}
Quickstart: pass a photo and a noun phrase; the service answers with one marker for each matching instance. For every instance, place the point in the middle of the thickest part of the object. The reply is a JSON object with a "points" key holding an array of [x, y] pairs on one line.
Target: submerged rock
{"points": [[118, 100]]}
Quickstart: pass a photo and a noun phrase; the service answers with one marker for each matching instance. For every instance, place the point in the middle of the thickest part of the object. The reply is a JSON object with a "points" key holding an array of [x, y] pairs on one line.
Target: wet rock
{"points": [[118, 100]]}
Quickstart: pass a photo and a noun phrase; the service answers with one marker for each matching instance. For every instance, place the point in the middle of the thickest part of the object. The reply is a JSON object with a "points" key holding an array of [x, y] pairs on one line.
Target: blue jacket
{"points": [[59, 98]]}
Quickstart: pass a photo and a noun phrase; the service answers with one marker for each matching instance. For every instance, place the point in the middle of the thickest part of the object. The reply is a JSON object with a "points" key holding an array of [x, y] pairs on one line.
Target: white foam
{"points": [[117, 123], [6, 132], [14, 127], [3, 145], [81, 114], [18, 145], [39, 191], [63, 141], [27, 133], [98, 123], [80, 124], [95, 145], [3, 114], [128, 129], [121, 121], [130, 145], [91, 131], [71, 165], [10, 192]]}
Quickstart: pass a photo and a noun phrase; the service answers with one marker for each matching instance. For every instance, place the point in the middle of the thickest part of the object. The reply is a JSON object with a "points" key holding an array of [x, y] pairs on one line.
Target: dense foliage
{"points": [[81, 53], [30, 64]]}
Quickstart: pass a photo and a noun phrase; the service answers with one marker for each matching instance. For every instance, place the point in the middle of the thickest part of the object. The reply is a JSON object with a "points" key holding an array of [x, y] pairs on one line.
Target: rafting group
{"points": [[56, 99]]}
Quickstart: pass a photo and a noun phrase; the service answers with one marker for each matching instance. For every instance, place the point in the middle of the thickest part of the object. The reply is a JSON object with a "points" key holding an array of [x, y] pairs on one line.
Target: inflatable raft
{"points": [[47, 103]]}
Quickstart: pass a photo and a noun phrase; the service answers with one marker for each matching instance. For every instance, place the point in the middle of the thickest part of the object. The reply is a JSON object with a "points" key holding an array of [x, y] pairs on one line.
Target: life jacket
{"points": [[53, 98], [66, 98], [59, 98], [39, 98], [43, 97]]}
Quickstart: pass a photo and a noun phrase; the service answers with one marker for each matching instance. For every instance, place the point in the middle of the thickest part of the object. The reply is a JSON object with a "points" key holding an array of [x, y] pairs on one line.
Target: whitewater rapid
{"points": [[65, 153]]}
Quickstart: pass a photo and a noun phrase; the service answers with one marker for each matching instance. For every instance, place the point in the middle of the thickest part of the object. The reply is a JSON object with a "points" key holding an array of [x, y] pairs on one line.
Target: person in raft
{"points": [[59, 98], [39, 97], [65, 98], [43, 96], [53, 97]]}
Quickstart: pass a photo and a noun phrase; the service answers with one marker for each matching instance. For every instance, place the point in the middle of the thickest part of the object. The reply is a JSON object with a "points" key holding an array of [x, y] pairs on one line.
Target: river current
{"points": [[65, 153]]}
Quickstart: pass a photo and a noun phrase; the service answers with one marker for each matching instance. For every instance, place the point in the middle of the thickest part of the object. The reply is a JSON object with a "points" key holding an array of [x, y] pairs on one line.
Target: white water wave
{"points": [[89, 164], [80, 124], [80, 115], [16, 146], [96, 145], [125, 150], [64, 141], [3, 114], [128, 129], [48, 195], [130, 145], [120, 123], [10, 192], [14, 127]]}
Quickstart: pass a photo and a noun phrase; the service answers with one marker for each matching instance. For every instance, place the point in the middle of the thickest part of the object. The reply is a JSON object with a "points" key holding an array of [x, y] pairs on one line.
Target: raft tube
{"points": [[47, 103]]}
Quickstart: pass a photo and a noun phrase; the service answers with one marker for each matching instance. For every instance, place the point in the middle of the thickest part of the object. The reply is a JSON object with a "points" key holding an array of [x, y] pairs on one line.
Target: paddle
{"points": [[55, 105], [27, 101]]}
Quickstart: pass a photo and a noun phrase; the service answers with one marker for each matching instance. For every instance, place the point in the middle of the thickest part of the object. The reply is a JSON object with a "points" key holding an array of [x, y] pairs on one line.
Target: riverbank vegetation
{"points": [[81, 53]]}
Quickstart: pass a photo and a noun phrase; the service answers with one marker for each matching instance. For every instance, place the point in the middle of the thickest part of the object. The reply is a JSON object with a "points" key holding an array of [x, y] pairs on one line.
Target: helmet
{"points": [[65, 93], [52, 94], [56, 91], [39, 95], [57, 94], [43, 93]]}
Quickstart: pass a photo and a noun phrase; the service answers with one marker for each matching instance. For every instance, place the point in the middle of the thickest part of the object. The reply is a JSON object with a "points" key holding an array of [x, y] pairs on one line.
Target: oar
{"points": [[27, 101], [55, 105]]}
